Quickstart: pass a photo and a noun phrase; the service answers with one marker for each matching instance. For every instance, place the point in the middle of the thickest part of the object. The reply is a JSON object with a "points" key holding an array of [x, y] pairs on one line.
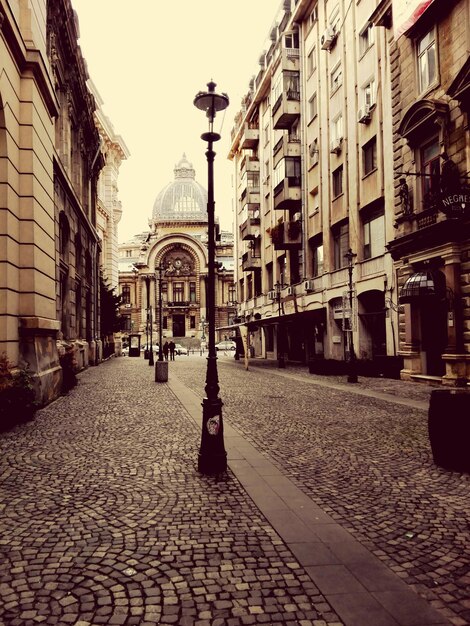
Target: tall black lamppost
{"points": [[160, 269], [149, 325], [212, 455], [280, 330], [161, 366], [146, 351], [352, 373]]}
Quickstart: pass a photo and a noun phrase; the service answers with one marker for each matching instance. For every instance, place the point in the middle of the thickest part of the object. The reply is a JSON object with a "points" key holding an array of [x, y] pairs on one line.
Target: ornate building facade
{"points": [[172, 257]]}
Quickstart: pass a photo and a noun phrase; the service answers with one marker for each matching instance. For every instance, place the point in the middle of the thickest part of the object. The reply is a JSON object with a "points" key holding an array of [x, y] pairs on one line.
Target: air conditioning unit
{"points": [[290, 291], [328, 39], [363, 115], [271, 295], [309, 285], [335, 146]]}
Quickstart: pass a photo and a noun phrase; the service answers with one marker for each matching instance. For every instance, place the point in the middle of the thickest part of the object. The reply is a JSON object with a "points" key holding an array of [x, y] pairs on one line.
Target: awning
{"points": [[418, 285]]}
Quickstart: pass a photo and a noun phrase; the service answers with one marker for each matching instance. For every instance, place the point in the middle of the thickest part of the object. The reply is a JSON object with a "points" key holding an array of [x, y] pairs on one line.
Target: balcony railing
{"points": [[177, 303]]}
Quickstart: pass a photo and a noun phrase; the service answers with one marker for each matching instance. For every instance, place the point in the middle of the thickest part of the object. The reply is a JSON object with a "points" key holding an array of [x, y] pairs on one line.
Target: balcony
{"points": [[249, 229], [250, 136], [287, 194], [175, 304], [287, 146], [250, 262], [288, 57], [287, 235], [249, 164], [250, 197], [286, 109]]}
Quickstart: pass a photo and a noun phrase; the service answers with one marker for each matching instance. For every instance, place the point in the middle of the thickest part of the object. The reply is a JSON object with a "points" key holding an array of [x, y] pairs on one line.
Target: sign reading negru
{"points": [[456, 204]]}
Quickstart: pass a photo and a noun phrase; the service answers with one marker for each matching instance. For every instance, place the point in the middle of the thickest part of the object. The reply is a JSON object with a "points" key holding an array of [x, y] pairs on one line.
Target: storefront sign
{"points": [[456, 204]]}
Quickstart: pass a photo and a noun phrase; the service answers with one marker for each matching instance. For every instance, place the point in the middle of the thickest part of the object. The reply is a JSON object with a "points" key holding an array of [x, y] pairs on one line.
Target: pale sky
{"points": [[148, 59]]}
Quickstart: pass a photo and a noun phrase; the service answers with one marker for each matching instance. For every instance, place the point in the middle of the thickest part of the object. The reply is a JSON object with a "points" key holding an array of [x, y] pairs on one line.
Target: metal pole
{"points": [[160, 332], [352, 373], [281, 363], [212, 455]]}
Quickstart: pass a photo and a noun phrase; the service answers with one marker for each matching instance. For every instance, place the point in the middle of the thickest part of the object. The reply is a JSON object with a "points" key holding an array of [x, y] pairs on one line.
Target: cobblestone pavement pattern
{"points": [[105, 520], [365, 461]]}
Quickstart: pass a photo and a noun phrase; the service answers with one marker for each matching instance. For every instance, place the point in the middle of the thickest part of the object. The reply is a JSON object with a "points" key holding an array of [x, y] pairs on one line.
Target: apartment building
{"points": [[318, 160], [312, 184]]}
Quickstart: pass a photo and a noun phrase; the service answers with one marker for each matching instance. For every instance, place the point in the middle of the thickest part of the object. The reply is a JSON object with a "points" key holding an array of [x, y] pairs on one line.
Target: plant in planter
{"points": [[17, 395]]}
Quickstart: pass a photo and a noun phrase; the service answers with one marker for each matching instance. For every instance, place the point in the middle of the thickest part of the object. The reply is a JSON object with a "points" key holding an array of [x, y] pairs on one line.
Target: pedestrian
{"points": [[172, 348], [165, 350]]}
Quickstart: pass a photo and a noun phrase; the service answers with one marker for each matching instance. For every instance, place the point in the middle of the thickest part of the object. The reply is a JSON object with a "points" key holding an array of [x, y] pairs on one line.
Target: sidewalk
{"points": [[354, 582]]}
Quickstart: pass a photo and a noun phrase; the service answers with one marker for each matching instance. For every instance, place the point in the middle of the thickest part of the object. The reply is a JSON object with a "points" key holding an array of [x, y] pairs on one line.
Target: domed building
{"points": [[173, 255]]}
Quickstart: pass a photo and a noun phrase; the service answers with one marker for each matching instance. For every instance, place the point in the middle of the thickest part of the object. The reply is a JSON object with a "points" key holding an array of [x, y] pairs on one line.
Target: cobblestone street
{"points": [[105, 519]]}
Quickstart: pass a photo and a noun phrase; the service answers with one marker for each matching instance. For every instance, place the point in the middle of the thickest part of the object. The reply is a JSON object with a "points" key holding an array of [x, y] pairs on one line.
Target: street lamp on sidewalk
{"points": [[352, 373], [161, 367], [280, 330], [212, 455]]}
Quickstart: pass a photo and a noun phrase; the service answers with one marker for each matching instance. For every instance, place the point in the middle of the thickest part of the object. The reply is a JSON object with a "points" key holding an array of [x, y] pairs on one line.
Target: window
{"points": [[165, 322], [192, 292], [313, 18], [313, 152], [315, 202], [312, 107], [366, 38], [374, 237], [427, 62], [368, 94], [192, 321], [266, 135], [430, 167], [334, 18], [336, 78], [178, 292], [291, 40], [337, 128], [369, 156], [316, 246], [128, 253], [338, 182], [164, 287], [311, 61], [340, 245], [287, 168], [126, 294]]}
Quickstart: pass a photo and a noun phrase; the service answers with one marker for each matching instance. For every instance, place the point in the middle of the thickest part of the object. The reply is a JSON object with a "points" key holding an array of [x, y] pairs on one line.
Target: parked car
{"points": [[225, 345], [125, 351], [179, 349]]}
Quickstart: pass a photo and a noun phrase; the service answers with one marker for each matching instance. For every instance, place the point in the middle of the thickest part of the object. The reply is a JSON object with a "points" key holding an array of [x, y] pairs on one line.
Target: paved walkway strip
{"points": [[359, 587]]}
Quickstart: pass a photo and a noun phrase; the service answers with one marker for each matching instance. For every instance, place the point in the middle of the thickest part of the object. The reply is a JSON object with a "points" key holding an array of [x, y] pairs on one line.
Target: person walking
{"points": [[172, 348], [165, 350]]}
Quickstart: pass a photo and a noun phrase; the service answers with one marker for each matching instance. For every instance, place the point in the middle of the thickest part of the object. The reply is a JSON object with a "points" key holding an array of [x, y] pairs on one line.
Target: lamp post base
{"points": [[212, 457], [281, 361], [151, 361]]}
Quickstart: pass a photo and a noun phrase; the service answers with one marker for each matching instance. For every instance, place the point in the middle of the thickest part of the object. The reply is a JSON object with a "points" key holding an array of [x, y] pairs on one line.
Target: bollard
{"points": [[449, 428]]}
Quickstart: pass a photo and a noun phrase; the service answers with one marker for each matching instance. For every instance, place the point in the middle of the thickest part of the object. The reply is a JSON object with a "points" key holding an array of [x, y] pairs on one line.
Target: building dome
{"points": [[183, 199]]}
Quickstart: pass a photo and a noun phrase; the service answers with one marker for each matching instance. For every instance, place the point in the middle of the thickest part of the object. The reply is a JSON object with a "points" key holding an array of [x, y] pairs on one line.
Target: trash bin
{"points": [[449, 428]]}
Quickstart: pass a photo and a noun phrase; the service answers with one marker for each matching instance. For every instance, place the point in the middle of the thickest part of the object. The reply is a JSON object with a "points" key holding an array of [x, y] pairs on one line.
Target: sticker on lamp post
{"points": [[213, 425]]}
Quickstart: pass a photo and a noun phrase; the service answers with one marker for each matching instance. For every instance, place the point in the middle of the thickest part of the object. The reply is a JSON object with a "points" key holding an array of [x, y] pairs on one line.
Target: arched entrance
{"points": [[372, 312], [425, 291]]}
